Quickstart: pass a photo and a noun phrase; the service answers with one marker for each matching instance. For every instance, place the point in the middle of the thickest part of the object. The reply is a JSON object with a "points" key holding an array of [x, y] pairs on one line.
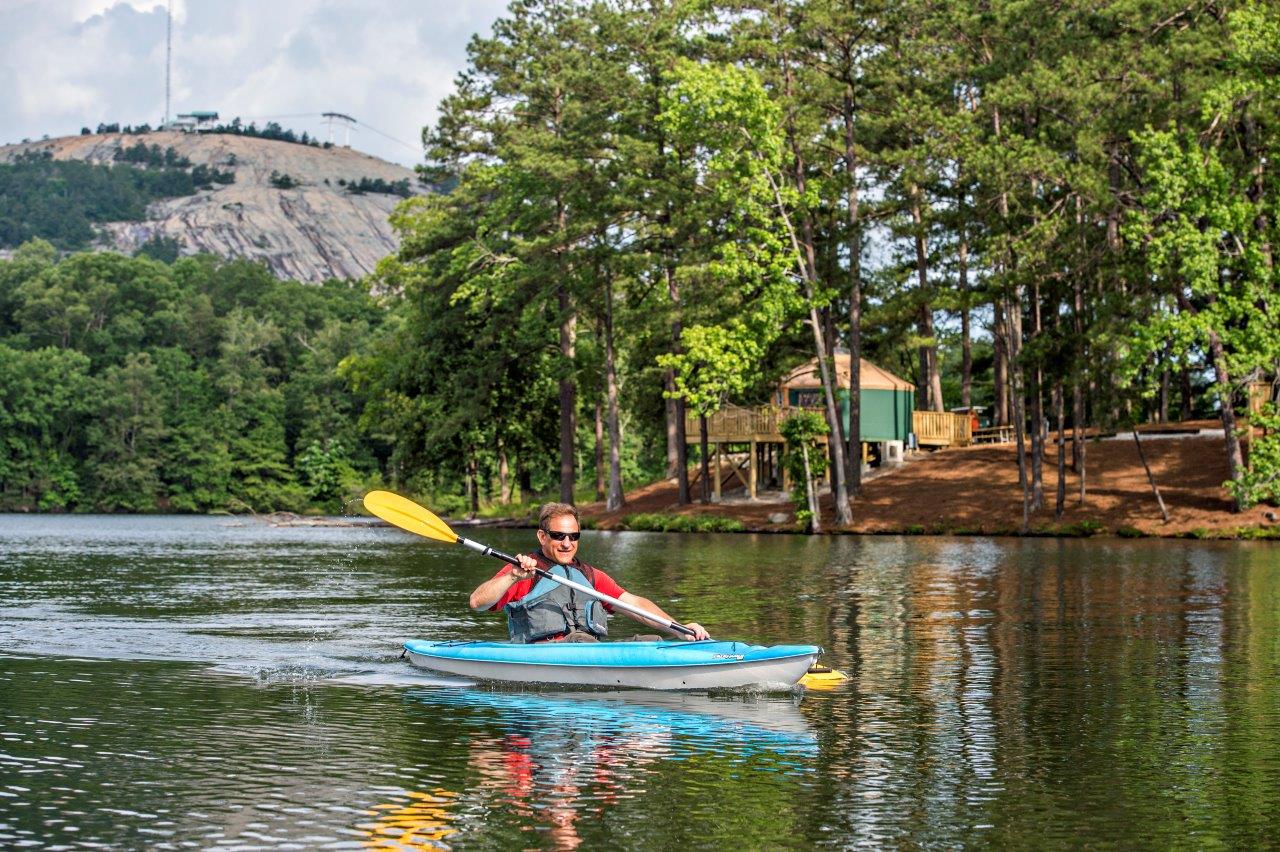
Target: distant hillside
{"points": [[285, 204]]}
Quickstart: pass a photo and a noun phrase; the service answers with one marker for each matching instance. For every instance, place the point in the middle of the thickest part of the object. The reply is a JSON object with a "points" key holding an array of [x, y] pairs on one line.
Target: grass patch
{"points": [[1126, 531], [657, 522], [1234, 534], [1081, 529]]}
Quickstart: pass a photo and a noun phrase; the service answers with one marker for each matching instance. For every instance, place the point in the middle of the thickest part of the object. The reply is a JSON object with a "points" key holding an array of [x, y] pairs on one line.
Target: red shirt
{"points": [[602, 583]]}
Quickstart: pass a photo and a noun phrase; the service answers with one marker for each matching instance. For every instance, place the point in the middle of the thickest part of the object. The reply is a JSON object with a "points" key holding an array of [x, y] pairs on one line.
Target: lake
{"points": [[180, 682]]}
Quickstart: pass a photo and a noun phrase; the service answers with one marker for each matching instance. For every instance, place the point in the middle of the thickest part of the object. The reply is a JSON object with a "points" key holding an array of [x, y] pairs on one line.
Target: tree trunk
{"points": [[568, 397], [1150, 478], [599, 424], [811, 493], [1078, 414], [504, 475], [1038, 434], [1060, 503], [1162, 414], [806, 266], [473, 491], [706, 460], [678, 410], [1019, 402], [616, 496], [854, 447], [1187, 410], [966, 345], [930, 378], [524, 478], [1226, 402], [1000, 363]]}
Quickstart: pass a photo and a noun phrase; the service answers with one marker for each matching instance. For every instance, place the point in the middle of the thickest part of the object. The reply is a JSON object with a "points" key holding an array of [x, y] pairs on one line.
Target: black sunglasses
{"points": [[561, 536]]}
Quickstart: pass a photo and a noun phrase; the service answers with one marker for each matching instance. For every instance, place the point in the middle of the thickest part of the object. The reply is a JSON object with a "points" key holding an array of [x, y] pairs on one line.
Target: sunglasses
{"points": [[561, 536]]}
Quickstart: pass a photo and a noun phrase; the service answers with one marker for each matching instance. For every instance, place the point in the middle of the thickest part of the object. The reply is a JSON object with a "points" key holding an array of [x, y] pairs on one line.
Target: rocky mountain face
{"points": [[310, 232]]}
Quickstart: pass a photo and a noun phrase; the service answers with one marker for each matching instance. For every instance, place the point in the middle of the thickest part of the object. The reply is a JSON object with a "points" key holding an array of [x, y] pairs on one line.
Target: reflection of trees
{"points": [[1039, 692]]}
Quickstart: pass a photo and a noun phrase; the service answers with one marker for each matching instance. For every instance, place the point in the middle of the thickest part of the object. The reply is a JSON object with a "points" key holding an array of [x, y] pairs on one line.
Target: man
{"points": [[545, 611]]}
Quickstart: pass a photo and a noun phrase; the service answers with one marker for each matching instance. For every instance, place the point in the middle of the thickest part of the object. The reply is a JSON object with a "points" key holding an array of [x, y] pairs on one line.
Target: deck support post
{"points": [[716, 474], [751, 471]]}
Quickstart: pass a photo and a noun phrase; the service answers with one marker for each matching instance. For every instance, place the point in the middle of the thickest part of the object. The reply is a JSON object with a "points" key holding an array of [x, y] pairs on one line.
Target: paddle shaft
{"points": [[586, 590]]}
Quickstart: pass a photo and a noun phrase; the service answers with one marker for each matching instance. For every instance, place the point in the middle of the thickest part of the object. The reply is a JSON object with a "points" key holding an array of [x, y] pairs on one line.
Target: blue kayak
{"points": [[708, 664]]}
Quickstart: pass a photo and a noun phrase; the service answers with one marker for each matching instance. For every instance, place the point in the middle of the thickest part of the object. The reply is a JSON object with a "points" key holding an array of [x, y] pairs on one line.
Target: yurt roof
{"points": [[872, 377]]}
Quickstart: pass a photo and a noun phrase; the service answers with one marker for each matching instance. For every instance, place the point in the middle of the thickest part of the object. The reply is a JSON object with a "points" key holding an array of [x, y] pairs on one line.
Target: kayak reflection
{"points": [[550, 760], [743, 725]]}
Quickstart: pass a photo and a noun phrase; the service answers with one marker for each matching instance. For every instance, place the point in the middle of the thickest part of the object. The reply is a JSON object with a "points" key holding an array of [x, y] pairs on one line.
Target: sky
{"points": [[67, 64]]}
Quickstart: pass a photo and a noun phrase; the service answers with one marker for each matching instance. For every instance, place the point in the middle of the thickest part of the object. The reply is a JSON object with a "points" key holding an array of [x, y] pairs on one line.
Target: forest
{"points": [[1066, 214], [61, 200], [131, 385]]}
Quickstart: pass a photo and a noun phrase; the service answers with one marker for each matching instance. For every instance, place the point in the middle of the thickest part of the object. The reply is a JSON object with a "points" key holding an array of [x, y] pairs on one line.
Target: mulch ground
{"points": [[975, 490]]}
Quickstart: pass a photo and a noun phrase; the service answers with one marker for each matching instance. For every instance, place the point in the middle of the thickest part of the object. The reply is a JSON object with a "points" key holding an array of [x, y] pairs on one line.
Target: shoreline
{"points": [[974, 491]]}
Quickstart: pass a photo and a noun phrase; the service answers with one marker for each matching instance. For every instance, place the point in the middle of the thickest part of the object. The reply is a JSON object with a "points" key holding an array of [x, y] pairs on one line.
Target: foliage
{"points": [[142, 154], [655, 522], [724, 115], [60, 200], [271, 130], [127, 384], [377, 185], [1261, 480], [161, 248], [804, 459], [283, 181]]}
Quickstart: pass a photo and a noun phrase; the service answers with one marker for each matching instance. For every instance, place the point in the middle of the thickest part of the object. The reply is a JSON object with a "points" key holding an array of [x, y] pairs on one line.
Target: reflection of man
{"points": [[545, 610]]}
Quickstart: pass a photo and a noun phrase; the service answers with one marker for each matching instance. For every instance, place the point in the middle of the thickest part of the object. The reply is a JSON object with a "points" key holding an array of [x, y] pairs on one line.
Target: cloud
{"points": [[74, 63]]}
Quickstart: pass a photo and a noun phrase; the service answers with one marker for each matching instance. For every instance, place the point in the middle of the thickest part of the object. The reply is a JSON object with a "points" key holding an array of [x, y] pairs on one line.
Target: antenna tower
{"points": [[168, 57]]}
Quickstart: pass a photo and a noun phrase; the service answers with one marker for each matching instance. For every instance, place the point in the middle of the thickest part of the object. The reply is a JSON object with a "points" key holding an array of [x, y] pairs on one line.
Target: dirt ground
{"points": [[975, 490]]}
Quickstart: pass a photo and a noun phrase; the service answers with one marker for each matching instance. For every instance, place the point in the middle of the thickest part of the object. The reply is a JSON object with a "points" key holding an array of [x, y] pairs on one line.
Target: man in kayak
{"points": [[546, 611]]}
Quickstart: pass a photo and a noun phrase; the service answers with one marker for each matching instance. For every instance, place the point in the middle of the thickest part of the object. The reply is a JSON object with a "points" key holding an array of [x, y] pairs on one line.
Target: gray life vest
{"points": [[550, 609]]}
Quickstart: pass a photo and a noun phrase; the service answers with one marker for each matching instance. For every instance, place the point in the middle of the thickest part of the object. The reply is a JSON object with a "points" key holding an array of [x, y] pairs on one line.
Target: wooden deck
{"points": [[941, 429], [735, 424]]}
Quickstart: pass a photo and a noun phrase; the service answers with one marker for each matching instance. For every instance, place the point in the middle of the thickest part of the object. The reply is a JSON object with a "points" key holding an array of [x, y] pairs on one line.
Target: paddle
{"points": [[410, 517]]}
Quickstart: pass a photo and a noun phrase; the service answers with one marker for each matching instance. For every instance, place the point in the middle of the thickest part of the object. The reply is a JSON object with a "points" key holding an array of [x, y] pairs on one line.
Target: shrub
{"points": [[656, 522]]}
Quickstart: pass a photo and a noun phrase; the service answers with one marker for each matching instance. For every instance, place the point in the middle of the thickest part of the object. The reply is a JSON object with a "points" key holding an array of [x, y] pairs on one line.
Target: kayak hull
{"points": [[642, 665]]}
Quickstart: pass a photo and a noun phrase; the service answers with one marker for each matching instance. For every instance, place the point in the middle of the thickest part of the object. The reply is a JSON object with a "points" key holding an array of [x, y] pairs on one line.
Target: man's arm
{"points": [[653, 609], [491, 591]]}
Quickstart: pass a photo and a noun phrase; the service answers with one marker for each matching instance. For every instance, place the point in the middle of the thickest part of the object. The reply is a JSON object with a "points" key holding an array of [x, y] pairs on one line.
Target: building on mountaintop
{"points": [[199, 121]]}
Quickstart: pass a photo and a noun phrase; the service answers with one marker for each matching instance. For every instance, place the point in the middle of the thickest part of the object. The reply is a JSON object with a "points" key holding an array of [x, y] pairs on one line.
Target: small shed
{"points": [[887, 401]]}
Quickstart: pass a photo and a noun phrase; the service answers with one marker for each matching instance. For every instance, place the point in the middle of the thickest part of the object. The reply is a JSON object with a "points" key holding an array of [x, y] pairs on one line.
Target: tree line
{"points": [[128, 384], [61, 200], [1066, 213]]}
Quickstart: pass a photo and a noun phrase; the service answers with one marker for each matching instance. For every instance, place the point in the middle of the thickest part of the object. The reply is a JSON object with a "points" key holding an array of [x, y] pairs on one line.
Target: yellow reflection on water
{"points": [[424, 823]]}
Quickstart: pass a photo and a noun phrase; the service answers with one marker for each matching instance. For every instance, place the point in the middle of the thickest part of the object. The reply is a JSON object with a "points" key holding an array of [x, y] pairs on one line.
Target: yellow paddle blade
{"points": [[408, 516]]}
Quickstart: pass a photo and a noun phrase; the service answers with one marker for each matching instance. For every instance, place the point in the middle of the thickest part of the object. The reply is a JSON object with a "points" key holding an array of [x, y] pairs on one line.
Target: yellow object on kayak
{"points": [[821, 677]]}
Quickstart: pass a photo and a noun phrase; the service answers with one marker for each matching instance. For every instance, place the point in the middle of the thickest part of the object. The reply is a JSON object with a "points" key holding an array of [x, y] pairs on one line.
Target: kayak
{"points": [[707, 664]]}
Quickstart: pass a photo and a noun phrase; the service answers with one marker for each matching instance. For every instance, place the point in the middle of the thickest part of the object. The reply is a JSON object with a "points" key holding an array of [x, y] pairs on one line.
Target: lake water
{"points": [[183, 682]]}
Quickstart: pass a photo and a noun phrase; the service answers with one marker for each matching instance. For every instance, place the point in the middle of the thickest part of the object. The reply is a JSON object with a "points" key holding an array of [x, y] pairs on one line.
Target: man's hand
{"points": [[526, 567], [699, 632]]}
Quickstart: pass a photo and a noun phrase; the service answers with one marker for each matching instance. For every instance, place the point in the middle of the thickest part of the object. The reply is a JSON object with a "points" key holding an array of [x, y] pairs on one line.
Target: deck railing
{"points": [[942, 429], [735, 424]]}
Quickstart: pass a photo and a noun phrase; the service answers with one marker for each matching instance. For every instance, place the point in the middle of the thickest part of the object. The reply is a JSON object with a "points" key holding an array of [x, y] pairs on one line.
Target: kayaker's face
{"points": [[566, 548]]}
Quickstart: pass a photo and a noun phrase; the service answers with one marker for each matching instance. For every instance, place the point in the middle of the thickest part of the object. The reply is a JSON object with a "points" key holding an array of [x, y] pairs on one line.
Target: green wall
{"points": [[886, 414]]}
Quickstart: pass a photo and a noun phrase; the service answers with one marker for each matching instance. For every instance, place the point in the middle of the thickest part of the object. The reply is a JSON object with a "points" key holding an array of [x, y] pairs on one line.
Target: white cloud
{"points": [[74, 63]]}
